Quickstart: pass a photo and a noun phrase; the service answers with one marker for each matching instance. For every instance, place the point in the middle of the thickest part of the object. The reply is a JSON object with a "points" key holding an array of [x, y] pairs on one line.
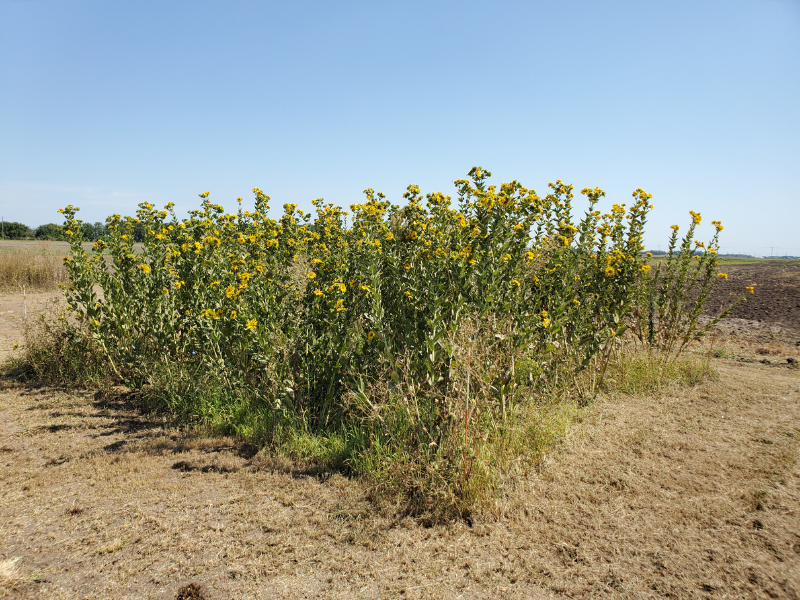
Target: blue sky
{"points": [[107, 104]]}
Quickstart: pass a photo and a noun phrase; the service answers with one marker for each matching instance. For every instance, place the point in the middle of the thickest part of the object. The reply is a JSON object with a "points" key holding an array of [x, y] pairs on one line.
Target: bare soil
{"points": [[776, 299], [688, 493]]}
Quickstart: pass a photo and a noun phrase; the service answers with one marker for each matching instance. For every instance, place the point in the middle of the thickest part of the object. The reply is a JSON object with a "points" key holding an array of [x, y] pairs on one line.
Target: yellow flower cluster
{"points": [[245, 290]]}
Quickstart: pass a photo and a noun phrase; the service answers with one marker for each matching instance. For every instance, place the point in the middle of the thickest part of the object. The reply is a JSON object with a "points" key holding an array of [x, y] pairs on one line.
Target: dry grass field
{"points": [[691, 492]]}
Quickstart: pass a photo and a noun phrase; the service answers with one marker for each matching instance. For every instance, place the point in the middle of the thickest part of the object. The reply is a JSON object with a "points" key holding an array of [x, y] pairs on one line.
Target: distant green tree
{"points": [[92, 233], [11, 230], [51, 231], [138, 232]]}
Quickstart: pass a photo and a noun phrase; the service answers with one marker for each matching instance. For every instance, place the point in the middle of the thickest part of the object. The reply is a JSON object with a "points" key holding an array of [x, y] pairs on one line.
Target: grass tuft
{"points": [[641, 372], [10, 575]]}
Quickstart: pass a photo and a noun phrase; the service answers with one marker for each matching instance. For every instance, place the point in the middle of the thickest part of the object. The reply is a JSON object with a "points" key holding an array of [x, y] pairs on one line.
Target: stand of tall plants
{"points": [[414, 345], [670, 298]]}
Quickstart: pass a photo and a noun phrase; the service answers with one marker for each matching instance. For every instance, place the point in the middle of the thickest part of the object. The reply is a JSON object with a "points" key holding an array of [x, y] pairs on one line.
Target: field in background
{"points": [[37, 265]]}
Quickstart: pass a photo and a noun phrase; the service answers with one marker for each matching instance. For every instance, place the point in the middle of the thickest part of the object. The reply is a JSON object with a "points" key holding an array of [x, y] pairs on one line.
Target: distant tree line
{"points": [[11, 230]]}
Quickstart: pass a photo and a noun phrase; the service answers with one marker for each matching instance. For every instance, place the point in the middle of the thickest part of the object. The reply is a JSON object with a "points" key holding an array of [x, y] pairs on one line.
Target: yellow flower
{"points": [[251, 324], [506, 257], [371, 335], [340, 305], [646, 268], [545, 314], [515, 282], [96, 322], [389, 237], [342, 287], [696, 218], [233, 314], [610, 271], [230, 291], [17, 345], [319, 293], [406, 266], [529, 255], [144, 268], [311, 274], [409, 295], [545, 323], [749, 289], [722, 275], [674, 227]]}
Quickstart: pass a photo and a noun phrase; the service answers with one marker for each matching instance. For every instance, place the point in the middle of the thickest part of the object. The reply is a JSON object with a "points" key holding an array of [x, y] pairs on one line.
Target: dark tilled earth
{"points": [[776, 300]]}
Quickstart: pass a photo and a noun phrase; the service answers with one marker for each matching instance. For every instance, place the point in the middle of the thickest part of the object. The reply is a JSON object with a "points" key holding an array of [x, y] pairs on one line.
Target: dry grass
{"points": [[690, 493], [10, 576], [38, 267]]}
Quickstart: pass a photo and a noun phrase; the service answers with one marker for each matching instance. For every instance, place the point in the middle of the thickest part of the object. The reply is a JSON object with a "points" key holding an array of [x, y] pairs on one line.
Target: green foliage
{"points": [[16, 231], [671, 297], [355, 341], [92, 233], [51, 232]]}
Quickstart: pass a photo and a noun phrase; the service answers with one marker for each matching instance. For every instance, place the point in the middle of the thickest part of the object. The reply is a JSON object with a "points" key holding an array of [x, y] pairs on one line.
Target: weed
{"points": [[671, 297], [424, 347]]}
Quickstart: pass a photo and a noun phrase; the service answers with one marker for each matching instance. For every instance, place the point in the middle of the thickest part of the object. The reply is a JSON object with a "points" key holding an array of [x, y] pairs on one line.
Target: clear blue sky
{"points": [[107, 104]]}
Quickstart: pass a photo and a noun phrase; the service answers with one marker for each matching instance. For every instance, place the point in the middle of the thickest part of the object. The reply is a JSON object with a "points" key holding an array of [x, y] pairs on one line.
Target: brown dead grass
{"points": [[689, 493], [38, 268], [10, 576]]}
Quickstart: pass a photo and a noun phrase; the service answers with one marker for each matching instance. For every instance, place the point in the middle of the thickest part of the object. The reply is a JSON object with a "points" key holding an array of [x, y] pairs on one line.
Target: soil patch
{"points": [[776, 300]]}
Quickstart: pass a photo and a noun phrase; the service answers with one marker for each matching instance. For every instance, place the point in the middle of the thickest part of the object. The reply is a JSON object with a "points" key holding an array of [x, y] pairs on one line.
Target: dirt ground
{"points": [[776, 300], [688, 493]]}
